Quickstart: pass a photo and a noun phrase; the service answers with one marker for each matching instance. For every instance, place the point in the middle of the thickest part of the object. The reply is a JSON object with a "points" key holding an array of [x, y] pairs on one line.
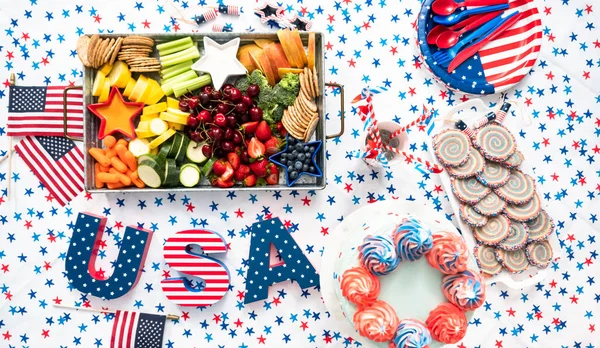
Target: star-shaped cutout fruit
{"points": [[220, 61], [116, 115]]}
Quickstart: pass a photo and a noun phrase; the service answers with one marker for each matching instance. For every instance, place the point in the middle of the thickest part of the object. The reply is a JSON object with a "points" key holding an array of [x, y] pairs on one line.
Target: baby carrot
{"points": [[123, 142], [130, 160], [99, 156], [118, 164], [104, 169], [136, 180], [108, 178], [124, 179], [99, 183], [109, 141], [110, 153], [115, 186]]}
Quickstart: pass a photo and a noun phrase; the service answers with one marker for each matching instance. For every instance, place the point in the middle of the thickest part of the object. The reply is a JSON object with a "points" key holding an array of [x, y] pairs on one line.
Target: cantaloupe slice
{"points": [[299, 46], [277, 58], [282, 71], [261, 60], [263, 42], [311, 50], [243, 55], [289, 48]]}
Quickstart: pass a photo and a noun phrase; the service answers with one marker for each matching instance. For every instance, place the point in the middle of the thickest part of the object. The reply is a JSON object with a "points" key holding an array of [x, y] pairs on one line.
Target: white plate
{"points": [[414, 301], [469, 111]]}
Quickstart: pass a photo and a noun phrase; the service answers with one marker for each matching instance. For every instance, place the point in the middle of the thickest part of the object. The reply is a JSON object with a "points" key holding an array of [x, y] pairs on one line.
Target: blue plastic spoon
{"points": [[458, 16]]}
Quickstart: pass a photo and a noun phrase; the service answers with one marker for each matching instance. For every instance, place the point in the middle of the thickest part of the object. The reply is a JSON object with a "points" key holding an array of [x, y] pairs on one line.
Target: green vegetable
{"points": [[257, 78], [275, 100], [273, 113], [287, 89]]}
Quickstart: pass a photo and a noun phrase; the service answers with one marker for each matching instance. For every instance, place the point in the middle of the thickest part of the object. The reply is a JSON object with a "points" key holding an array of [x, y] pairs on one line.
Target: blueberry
{"points": [[307, 160], [293, 175], [291, 141], [311, 149], [294, 154], [306, 148], [301, 157], [299, 147], [284, 156], [305, 168], [290, 168], [298, 165], [312, 169]]}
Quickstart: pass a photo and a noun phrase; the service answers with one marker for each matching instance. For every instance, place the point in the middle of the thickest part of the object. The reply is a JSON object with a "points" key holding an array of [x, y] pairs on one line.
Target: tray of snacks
{"points": [[493, 193], [200, 112]]}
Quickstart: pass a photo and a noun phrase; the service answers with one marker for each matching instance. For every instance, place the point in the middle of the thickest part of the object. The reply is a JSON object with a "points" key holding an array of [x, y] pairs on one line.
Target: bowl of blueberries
{"points": [[298, 158]]}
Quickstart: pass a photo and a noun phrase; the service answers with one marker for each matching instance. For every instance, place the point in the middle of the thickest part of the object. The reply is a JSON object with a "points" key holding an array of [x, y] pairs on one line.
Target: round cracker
{"points": [[109, 50], [309, 104], [98, 52], [82, 49], [316, 82], [138, 40], [145, 69], [303, 86], [116, 50], [309, 83], [289, 126], [94, 40], [311, 129], [302, 119], [305, 114]]}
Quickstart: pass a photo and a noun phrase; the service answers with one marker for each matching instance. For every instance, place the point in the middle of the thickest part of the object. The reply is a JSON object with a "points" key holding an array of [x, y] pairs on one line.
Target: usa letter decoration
{"points": [[179, 255], [80, 265], [260, 273]]}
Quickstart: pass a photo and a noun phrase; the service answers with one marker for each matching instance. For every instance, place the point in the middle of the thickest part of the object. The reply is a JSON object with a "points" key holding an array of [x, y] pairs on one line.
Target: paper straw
{"points": [[431, 166], [426, 115]]}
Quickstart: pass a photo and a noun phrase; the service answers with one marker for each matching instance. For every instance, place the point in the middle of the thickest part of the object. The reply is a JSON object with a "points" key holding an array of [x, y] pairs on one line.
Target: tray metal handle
{"points": [[338, 134], [65, 97]]}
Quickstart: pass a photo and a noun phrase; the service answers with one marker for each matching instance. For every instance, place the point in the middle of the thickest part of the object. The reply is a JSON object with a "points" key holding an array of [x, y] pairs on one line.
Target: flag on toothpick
{"points": [[137, 330], [38, 111], [58, 164]]}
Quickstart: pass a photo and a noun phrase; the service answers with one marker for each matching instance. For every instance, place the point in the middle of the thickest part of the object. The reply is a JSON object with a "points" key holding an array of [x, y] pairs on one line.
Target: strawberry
{"points": [[272, 145], [219, 167], [224, 183], [234, 160], [228, 174], [256, 149], [242, 172], [250, 180], [249, 127], [263, 131], [273, 174], [259, 168]]}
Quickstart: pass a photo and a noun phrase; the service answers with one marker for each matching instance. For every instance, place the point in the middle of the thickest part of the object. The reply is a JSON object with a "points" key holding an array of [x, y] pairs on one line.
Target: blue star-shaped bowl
{"points": [[276, 157]]}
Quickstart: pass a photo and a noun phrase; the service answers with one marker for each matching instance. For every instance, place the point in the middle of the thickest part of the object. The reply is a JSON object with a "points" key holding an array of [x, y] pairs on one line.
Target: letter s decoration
{"points": [[80, 264], [179, 256]]}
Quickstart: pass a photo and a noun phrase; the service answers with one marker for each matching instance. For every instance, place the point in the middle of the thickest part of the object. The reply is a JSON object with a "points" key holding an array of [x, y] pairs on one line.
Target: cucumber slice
{"points": [[152, 172], [207, 168], [147, 156], [194, 152], [180, 156], [177, 140], [189, 175], [171, 177], [139, 147], [158, 126], [164, 150]]}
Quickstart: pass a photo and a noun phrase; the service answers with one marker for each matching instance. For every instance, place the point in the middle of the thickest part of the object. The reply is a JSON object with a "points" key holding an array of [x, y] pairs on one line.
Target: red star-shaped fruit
{"points": [[116, 115]]}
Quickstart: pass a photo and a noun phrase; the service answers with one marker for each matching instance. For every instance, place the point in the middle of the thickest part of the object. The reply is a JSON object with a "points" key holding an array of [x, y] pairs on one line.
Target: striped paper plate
{"points": [[500, 64]]}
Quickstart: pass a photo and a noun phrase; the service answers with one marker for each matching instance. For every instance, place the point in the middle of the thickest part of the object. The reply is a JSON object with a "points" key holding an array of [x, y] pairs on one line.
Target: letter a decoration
{"points": [[80, 265], [261, 274]]}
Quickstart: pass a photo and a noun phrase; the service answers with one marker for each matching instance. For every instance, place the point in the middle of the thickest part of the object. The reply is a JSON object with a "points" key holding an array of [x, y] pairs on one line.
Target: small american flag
{"points": [[39, 111], [137, 330], [58, 164]]}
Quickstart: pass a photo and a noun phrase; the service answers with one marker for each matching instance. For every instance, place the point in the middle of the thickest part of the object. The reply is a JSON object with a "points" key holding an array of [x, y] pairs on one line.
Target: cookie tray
{"points": [[92, 123], [469, 111]]}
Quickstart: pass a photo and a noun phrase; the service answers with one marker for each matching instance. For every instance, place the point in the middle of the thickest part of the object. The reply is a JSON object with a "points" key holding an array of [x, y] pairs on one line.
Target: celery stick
{"points": [[174, 43], [191, 85], [180, 57], [176, 69], [175, 49], [187, 75]]}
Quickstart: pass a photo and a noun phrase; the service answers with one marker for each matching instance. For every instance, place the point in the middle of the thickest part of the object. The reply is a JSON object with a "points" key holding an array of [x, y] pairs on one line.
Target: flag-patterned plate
{"points": [[500, 64]]}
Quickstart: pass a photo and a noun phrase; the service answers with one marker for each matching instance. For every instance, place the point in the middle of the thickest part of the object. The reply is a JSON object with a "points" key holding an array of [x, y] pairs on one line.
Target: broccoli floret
{"points": [[273, 114], [287, 89], [256, 77]]}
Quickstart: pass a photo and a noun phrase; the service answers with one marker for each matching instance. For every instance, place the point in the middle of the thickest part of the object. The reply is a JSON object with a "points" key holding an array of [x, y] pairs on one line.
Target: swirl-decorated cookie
{"points": [[515, 261], [514, 160], [519, 189], [495, 231], [447, 323], [494, 175], [451, 147], [541, 227], [486, 259], [490, 205], [517, 237], [539, 254], [524, 212], [471, 217], [495, 142], [469, 190], [473, 166]]}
